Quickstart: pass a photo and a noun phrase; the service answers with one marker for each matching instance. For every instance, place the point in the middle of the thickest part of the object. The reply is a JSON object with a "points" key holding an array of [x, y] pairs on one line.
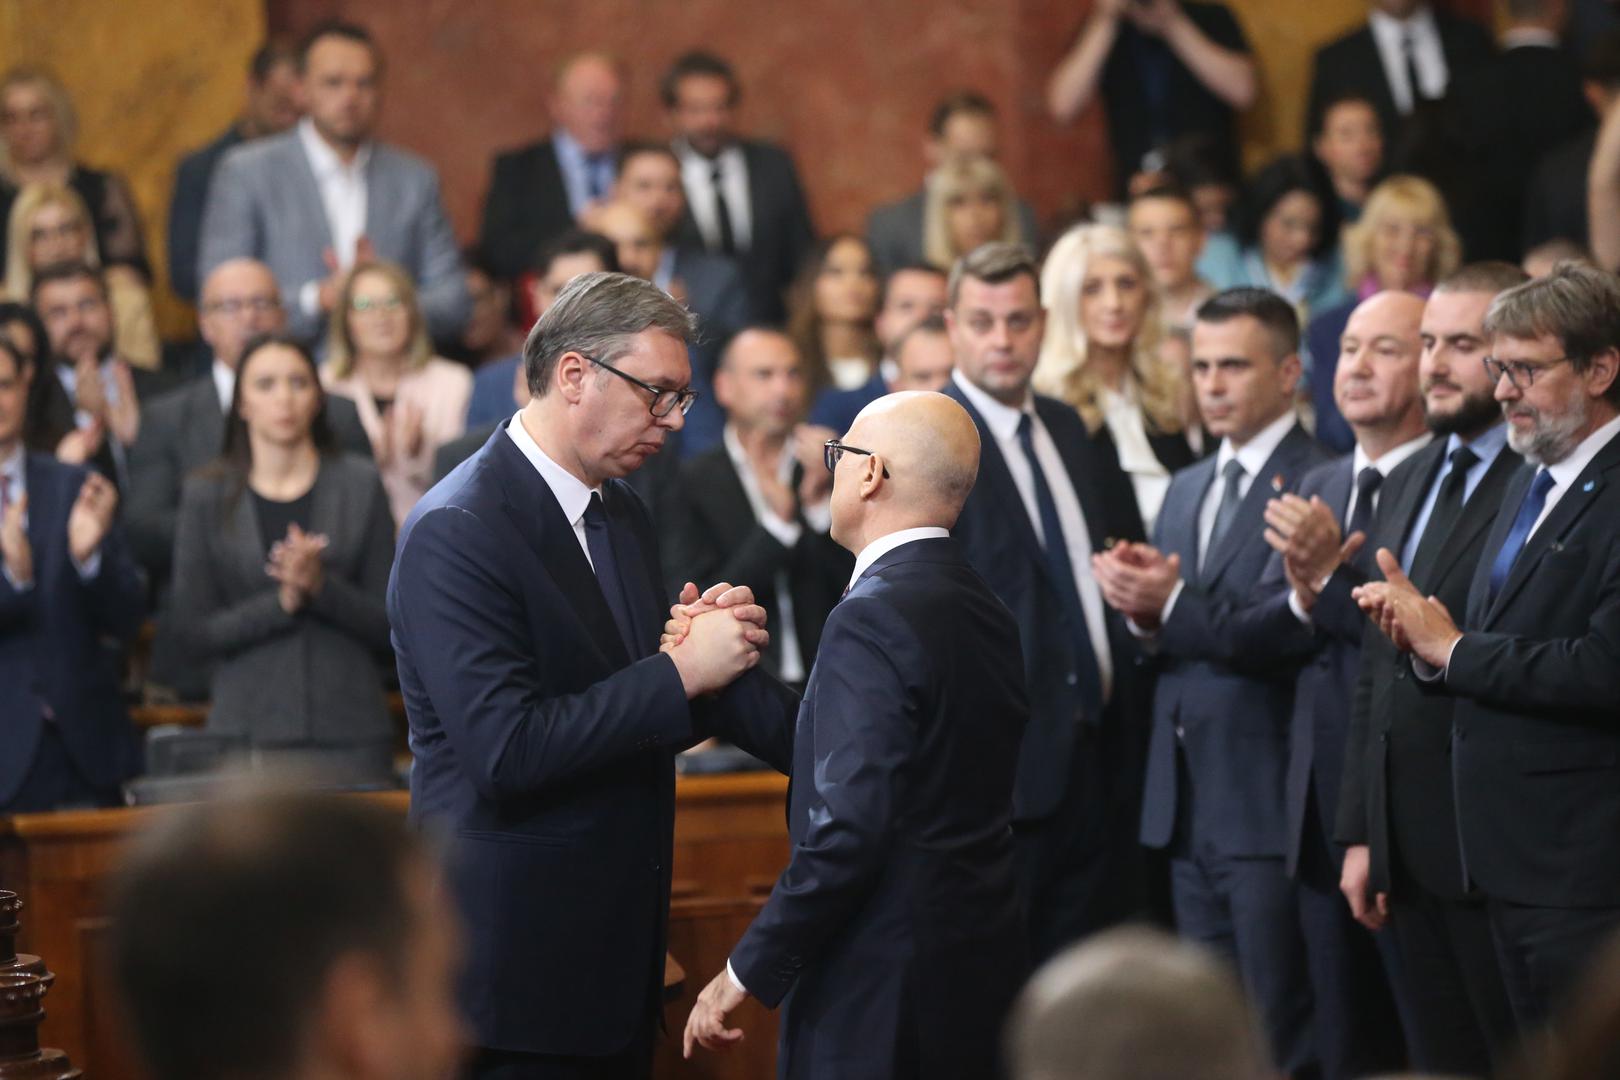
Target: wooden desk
{"points": [[730, 837]]}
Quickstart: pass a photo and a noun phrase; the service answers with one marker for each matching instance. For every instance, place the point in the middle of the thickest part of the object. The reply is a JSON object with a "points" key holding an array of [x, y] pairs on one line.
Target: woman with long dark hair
{"points": [[282, 555]]}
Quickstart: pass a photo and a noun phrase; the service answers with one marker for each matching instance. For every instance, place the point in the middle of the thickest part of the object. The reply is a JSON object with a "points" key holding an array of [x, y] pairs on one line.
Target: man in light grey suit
{"points": [[963, 125], [313, 201]]}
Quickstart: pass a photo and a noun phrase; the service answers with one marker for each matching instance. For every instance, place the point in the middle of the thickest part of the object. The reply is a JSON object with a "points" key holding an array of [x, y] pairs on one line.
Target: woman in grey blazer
{"points": [[282, 555]]}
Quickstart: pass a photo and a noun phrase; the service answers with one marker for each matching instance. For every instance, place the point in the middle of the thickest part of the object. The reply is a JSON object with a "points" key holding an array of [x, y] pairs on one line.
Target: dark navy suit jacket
{"points": [[1231, 703], [894, 934], [545, 750], [54, 642], [998, 539]]}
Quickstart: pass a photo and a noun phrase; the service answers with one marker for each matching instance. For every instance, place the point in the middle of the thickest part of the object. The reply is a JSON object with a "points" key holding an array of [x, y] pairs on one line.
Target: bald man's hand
{"points": [[738, 599]]}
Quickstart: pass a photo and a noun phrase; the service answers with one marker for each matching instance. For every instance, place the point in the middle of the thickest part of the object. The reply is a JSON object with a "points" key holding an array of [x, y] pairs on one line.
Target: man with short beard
{"points": [[1396, 815], [1533, 660]]}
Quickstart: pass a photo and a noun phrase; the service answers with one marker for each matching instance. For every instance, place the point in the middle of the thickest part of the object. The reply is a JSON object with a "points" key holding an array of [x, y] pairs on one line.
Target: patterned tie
{"points": [[1086, 674], [1231, 499], [1529, 511], [722, 213], [1443, 518], [599, 540]]}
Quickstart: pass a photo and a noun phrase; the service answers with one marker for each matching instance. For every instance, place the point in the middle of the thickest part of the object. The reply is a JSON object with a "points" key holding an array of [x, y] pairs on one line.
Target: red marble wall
{"points": [[847, 84]]}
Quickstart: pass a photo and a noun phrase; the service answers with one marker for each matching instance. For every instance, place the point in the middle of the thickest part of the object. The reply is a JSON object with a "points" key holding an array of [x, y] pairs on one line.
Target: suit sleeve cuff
{"points": [[90, 567], [1298, 609], [736, 982], [19, 586], [1164, 616], [1427, 672]]}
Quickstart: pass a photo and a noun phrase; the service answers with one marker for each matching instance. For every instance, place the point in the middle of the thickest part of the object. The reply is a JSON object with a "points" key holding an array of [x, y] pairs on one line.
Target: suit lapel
{"points": [[539, 519], [1586, 488], [250, 556], [1081, 478], [206, 431], [381, 195], [998, 482], [1400, 509], [634, 568], [1279, 467], [303, 174], [1480, 589], [1477, 514]]}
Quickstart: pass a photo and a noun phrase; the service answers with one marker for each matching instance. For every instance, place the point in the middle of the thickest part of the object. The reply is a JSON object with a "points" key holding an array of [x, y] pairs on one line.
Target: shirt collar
{"points": [[1258, 450], [1389, 29], [666, 268], [1000, 418], [1485, 445], [12, 465], [572, 494], [692, 161], [1565, 472], [569, 151], [1532, 36], [739, 456], [880, 547], [224, 383], [1386, 464], [323, 160]]}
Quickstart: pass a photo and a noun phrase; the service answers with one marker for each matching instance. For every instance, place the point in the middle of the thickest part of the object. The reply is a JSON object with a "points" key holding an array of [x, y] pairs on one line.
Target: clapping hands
{"points": [[295, 562]]}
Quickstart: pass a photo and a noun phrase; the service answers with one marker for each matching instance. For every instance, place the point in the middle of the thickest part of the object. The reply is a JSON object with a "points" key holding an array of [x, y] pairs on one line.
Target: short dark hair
{"points": [[72, 270], [21, 362], [1577, 304], [696, 62], [1284, 176], [932, 324], [958, 101], [576, 242], [632, 148], [597, 315], [1166, 193], [338, 28], [271, 55], [1262, 305], [907, 268], [12, 311], [994, 264], [227, 916], [1489, 276], [1333, 101], [1601, 64]]}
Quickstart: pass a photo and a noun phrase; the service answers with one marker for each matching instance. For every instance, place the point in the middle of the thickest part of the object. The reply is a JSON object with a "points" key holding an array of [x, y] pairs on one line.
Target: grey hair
{"points": [[597, 315], [1578, 304], [995, 263]]}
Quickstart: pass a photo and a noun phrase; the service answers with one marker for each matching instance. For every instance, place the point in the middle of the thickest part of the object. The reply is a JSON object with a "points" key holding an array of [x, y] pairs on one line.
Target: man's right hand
{"points": [[715, 651], [15, 549], [1370, 911]]}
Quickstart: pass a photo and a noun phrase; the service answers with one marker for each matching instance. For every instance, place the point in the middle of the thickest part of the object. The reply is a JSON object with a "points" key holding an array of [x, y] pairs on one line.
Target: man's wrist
{"points": [[736, 983]]}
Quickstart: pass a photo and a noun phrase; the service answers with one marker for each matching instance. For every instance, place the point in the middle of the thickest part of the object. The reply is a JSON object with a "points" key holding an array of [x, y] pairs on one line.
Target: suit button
{"points": [[1400, 673], [1383, 736], [1461, 735], [1072, 679], [1181, 733]]}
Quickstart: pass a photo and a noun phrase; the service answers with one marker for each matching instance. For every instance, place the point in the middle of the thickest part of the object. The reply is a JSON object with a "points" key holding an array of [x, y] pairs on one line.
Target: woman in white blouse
{"points": [[1101, 354]]}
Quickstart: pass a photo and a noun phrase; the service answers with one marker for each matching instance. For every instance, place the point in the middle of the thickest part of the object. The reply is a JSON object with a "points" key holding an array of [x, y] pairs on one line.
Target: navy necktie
{"points": [[722, 213], [599, 541], [1529, 510], [598, 174], [1086, 674], [1367, 481]]}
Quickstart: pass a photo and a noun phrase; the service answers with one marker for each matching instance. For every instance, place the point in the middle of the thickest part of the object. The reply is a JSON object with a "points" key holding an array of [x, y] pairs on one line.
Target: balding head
{"points": [[927, 445], [1376, 382], [634, 236], [586, 101], [239, 301]]}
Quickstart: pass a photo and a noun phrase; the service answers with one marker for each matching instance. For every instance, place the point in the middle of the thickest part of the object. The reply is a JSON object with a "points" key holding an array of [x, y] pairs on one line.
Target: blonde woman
{"points": [[49, 224], [410, 402], [37, 132], [969, 203], [1403, 241], [1100, 354]]}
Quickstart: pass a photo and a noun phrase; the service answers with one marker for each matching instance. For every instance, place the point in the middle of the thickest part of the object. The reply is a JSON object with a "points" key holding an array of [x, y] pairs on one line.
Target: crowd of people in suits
{"points": [[1295, 487]]}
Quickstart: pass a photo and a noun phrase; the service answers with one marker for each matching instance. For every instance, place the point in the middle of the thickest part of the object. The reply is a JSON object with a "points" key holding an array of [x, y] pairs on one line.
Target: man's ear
{"points": [[871, 475], [1601, 372], [569, 376]]}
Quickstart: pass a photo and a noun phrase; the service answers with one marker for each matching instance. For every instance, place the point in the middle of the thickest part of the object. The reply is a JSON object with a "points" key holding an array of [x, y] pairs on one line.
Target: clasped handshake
{"points": [[714, 636]]}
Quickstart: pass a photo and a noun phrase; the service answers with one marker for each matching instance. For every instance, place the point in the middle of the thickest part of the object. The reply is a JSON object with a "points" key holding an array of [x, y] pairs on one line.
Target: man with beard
{"points": [[1532, 661], [1396, 814]]}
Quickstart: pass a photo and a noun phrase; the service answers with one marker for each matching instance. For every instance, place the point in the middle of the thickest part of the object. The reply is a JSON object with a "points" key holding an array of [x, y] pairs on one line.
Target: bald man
{"points": [[184, 429], [538, 191], [1304, 609], [893, 938]]}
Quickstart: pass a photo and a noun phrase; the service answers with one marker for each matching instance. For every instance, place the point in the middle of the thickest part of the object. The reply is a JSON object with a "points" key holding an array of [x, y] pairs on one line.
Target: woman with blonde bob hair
{"points": [[969, 203], [1403, 241], [49, 224], [1100, 354], [379, 356]]}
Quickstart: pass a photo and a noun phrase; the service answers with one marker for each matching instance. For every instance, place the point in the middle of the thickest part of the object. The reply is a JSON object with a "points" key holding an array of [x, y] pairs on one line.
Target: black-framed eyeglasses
{"points": [[663, 400], [1521, 373], [832, 450]]}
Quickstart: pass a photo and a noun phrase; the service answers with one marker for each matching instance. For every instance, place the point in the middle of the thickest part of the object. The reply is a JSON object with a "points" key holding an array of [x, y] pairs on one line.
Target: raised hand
{"points": [[91, 516], [1414, 623], [295, 563], [1137, 580], [1306, 534], [124, 415], [706, 1026], [15, 550], [739, 599], [81, 444], [715, 650]]}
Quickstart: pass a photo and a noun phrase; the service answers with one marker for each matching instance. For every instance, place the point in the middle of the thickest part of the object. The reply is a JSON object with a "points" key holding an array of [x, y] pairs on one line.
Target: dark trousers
{"points": [[1358, 1031], [634, 1062], [54, 781], [1544, 952], [1462, 1024]]}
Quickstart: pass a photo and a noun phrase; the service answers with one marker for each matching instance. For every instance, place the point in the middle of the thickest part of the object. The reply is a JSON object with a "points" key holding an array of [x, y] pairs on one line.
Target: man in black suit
{"points": [[67, 587], [1555, 203], [1396, 816], [1515, 107], [963, 124], [1304, 609], [538, 191], [893, 938], [1378, 61], [271, 107], [755, 509], [743, 196], [1046, 499], [1218, 756], [526, 605], [1532, 661]]}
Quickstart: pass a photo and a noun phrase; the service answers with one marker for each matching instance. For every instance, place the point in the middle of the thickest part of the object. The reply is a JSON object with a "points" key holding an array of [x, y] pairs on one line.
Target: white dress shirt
{"points": [[1390, 35], [787, 533], [697, 175], [1122, 412], [1002, 420], [572, 494], [224, 384], [343, 189]]}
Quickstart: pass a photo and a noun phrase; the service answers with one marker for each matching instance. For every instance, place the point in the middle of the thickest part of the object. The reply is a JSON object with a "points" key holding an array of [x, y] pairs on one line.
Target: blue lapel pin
{"points": [[1589, 485]]}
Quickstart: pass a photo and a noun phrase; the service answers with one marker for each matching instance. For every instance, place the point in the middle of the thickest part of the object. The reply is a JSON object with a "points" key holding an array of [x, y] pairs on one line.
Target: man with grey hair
{"points": [[1533, 662], [526, 607], [1134, 1004]]}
